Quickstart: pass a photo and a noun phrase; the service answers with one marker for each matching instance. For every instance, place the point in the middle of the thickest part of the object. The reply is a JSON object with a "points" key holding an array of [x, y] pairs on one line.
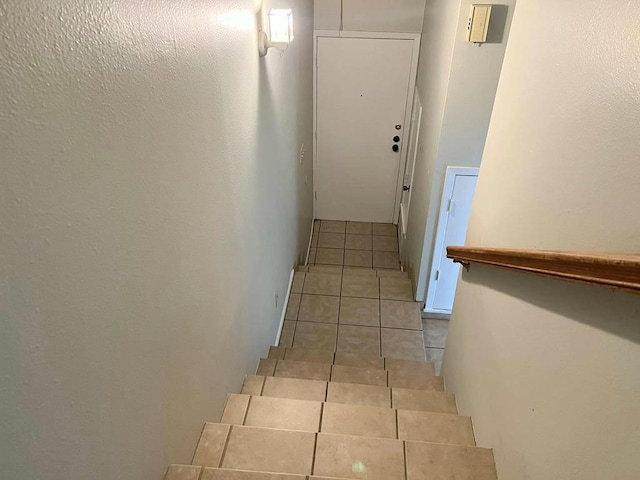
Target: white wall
{"points": [[548, 370], [457, 82], [370, 15], [152, 206]]}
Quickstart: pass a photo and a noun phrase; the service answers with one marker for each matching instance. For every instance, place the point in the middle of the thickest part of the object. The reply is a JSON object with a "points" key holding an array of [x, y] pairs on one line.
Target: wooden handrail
{"points": [[606, 269]]}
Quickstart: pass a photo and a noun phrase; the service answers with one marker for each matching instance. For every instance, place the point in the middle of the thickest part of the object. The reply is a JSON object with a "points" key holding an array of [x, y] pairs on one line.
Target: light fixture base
{"points": [[263, 43]]}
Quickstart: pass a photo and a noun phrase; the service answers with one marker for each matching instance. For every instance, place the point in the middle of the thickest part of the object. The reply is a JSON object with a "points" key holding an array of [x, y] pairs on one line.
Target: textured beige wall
{"points": [[152, 206], [549, 370]]}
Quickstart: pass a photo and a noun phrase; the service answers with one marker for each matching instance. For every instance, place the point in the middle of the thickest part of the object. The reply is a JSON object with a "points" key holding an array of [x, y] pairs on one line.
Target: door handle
{"points": [[406, 188]]}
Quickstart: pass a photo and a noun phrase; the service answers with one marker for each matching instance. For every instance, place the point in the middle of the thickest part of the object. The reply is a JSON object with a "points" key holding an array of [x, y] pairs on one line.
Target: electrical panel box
{"points": [[478, 25]]}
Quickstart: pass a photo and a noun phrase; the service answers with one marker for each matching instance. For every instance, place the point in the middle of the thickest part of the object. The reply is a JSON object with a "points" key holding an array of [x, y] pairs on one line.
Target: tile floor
{"points": [[354, 310], [435, 336], [359, 309], [354, 244]]}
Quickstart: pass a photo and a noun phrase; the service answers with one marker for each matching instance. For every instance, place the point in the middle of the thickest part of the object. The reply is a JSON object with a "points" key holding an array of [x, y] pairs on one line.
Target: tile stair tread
{"points": [[350, 393], [347, 359], [337, 270], [347, 419], [193, 472], [260, 449], [402, 374]]}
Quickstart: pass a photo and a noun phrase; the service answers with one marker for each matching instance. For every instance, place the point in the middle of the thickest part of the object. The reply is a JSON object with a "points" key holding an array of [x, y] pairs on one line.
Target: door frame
{"points": [[415, 37], [414, 138], [447, 192]]}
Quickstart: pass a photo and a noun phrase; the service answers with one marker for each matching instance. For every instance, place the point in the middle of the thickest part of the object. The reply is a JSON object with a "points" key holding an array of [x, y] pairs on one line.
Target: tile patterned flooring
{"points": [[354, 244], [354, 298]]}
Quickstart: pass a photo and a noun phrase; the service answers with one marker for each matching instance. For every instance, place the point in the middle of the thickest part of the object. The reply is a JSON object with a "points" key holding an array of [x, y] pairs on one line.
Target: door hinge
{"points": [[449, 205], [437, 275]]}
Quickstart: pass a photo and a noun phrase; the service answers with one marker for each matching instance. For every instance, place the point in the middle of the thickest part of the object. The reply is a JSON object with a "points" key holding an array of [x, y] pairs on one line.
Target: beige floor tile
{"points": [[295, 388], [435, 355], [183, 472], [298, 282], [397, 365], [252, 385], [395, 314], [365, 376], [360, 286], [359, 271], [388, 260], [416, 381], [385, 244], [431, 461], [314, 239], [435, 332], [413, 375], [293, 306], [211, 445], [387, 272], [268, 450], [377, 458], [315, 336], [331, 240], [358, 242], [340, 419], [312, 255], [359, 311], [288, 331], [396, 289], [266, 366], [356, 394], [305, 370], [319, 308], [226, 474], [284, 413], [403, 344], [329, 256], [350, 359], [277, 353], [335, 269], [435, 427], [235, 410], [333, 226], [306, 355], [316, 225], [386, 229], [358, 339], [359, 228], [358, 258], [322, 284], [422, 400]]}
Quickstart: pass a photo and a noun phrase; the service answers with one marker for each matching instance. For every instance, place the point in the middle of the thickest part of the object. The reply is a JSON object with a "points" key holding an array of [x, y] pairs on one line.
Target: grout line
{"points": [[246, 412], [404, 453], [264, 382], [224, 449], [397, 425], [313, 457], [198, 443]]}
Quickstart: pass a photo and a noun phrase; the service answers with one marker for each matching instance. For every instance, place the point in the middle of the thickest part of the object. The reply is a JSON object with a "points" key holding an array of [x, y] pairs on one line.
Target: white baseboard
{"points": [[284, 307], [306, 259]]}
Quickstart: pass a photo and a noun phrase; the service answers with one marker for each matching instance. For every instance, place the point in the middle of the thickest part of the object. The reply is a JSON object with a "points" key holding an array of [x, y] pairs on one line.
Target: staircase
{"points": [[343, 396]]}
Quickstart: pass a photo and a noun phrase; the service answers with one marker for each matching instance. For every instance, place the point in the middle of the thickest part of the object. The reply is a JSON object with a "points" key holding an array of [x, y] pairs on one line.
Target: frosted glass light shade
{"points": [[281, 26]]}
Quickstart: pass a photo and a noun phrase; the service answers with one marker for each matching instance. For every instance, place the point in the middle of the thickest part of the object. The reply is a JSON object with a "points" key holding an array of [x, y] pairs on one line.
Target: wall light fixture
{"points": [[281, 30]]}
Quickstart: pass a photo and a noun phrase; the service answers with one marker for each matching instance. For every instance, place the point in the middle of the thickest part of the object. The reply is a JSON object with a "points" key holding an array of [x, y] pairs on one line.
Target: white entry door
{"points": [[405, 199], [460, 185], [362, 90]]}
